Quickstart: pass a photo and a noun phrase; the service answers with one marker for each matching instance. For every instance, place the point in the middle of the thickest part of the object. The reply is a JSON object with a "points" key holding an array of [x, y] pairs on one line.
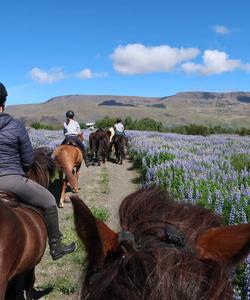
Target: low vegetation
{"points": [[147, 124]]}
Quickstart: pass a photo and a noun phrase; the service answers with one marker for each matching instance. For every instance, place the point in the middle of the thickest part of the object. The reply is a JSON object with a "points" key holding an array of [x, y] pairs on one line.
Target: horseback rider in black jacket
{"points": [[16, 156]]}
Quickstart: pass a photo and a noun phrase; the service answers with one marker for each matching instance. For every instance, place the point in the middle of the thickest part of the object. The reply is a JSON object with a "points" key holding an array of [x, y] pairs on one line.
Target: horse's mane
{"points": [[146, 213], [157, 256], [145, 207], [43, 166]]}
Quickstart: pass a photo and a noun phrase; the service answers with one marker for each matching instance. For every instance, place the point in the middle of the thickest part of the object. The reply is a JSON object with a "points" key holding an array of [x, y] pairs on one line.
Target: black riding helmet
{"points": [[118, 120], [3, 94], [70, 114]]}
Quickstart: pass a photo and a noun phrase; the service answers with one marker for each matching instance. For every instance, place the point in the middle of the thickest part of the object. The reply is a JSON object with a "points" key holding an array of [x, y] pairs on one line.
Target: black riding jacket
{"points": [[16, 152]]}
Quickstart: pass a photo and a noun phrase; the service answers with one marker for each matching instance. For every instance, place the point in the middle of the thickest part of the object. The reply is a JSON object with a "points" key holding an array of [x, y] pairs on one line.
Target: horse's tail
{"points": [[92, 144], [111, 133], [64, 163]]}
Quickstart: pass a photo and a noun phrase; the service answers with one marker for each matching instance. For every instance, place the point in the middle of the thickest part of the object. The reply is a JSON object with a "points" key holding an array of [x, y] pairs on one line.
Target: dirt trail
{"points": [[119, 181], [102, 187]]}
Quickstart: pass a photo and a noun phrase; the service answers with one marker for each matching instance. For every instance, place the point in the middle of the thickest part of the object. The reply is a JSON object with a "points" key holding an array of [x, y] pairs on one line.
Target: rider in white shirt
{"points": [[72, 131], [71, 127], [119, 127]]}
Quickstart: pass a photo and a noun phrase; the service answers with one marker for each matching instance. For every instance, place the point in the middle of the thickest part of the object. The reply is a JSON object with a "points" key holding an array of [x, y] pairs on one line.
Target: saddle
{"points": [[11, 200], [71, 143]]}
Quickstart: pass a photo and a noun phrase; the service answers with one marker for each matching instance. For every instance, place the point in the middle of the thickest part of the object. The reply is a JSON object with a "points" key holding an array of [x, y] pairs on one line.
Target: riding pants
{"points": [[27, 191]]}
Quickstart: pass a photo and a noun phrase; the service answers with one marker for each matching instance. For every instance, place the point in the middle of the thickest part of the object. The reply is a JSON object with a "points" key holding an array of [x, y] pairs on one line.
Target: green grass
{"points": [[100, 213], [104, 181], [61, 284]]}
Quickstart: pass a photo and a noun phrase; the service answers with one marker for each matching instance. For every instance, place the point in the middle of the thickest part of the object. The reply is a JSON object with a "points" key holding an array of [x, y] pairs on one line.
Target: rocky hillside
{"points": [[227, 109]]}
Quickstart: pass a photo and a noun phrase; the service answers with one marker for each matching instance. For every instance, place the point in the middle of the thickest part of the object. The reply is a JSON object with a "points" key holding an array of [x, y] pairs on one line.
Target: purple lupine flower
{"points": [[232, 215], [209, 198], [190, 194]]}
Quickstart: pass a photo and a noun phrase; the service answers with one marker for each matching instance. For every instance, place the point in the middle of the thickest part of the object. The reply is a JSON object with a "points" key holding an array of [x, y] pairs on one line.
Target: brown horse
{"points": [[23, 235], [165, 251], [68, 159], [119, 142], [99, 145]]}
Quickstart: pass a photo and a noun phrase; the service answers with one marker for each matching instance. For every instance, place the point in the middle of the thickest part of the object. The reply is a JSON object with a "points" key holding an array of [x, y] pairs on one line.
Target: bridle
{"points": [[173, 238]]}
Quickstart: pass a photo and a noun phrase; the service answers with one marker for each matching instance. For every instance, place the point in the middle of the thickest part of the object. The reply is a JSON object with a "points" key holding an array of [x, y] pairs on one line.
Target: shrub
{"points": [[38, 125]]}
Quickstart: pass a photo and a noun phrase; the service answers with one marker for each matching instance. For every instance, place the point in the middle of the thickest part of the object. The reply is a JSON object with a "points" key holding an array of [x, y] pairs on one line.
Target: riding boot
{"points": [[85, 156], [57, 248]]}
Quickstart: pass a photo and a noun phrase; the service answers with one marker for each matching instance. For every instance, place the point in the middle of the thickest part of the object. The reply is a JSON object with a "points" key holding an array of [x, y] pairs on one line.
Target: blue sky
{"points": [[123, 47]]}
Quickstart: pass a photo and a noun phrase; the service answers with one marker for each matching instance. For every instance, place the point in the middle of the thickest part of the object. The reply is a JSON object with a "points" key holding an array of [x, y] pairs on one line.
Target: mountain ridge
{"points": [[207, 108]]}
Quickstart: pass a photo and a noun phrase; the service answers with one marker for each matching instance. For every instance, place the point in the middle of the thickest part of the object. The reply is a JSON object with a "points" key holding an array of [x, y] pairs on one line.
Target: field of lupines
{"points": [[210, 171]]}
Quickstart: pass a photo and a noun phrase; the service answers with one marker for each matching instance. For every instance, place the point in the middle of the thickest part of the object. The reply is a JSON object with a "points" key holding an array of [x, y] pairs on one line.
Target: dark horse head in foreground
{"points": [[23, 235], [119, 144], [99, 145], [165, 250]]}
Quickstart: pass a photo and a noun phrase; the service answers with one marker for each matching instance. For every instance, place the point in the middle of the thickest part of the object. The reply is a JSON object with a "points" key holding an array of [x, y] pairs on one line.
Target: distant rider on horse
{"points": [[119, 130], [119, 127], [72, 132], [16, 157]]}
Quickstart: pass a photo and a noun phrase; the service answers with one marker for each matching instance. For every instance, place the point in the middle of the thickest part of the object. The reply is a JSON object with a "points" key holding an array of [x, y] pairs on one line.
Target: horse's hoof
{"points": [[60, 205]]}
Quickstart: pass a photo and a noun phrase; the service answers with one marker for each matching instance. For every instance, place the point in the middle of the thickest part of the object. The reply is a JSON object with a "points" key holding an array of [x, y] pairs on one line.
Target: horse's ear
{"points": [[109, 237], [97, 237], [227, 245]]}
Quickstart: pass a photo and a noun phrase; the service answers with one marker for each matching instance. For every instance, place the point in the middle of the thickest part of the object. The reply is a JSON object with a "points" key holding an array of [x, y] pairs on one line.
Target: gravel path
{"points": [[102, 187]]}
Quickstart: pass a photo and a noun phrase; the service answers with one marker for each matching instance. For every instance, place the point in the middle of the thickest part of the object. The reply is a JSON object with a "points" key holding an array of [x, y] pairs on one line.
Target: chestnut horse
{"points": [[68, 159], [99, 145], [23, 235], [165, 250]]}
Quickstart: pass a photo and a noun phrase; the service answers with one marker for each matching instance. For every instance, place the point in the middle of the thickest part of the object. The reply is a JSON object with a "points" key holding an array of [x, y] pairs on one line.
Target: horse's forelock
{"points": [[151, 205]]}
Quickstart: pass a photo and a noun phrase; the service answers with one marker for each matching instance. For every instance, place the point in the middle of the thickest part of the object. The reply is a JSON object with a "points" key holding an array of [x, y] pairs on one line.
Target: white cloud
{"points": [[214, 62], [88, 74], [220, 29], [85, 74], [42, 76], [139, 59]]}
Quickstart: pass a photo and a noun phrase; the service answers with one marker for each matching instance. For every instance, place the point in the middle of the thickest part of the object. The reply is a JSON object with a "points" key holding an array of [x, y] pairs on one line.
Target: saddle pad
{"points": [[10, 200]]}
